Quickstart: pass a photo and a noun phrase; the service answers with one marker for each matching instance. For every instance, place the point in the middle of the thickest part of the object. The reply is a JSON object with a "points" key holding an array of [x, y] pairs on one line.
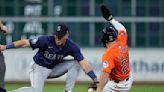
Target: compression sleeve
{"points": [[118, 26]]}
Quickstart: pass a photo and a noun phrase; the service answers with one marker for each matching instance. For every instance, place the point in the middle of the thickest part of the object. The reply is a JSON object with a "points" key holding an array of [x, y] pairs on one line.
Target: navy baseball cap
{"points": [[61, 30]]}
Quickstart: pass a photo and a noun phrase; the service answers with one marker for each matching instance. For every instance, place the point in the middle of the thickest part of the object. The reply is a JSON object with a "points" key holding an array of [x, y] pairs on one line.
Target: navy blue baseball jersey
{"points": [[49, 54]]}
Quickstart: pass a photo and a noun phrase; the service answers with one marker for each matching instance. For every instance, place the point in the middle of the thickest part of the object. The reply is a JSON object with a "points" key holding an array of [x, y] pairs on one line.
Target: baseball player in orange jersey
{"points": [[115, 75]]}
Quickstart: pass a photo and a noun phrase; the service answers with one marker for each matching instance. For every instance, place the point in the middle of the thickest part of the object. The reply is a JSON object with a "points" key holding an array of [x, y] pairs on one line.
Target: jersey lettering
{"points": [[53, 56], [122, 51]]}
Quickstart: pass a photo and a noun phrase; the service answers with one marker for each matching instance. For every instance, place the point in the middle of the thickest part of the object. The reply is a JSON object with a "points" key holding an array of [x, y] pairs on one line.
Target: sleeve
{"points": [[108, 64], [117, 25], [76, 53], [37, 42], [122, 36]]}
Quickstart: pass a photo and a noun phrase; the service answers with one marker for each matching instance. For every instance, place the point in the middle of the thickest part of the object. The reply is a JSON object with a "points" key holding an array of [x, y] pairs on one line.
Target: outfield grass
{"points": [[83, 87]]}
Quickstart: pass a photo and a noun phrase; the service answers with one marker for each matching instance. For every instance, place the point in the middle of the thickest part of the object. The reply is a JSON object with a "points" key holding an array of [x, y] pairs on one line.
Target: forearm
{"points": [[88, 69], [18, 44], [21, 43], [103, 80], [85, 66], [118, 26]]}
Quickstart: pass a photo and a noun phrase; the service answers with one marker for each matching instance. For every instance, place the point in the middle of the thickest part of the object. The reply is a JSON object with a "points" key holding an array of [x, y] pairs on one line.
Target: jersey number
{"points": [[125, 65]]}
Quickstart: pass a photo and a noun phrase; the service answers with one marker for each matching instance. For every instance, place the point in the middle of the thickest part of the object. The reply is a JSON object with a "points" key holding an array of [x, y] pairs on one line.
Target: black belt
{"points": [[117, 81]]}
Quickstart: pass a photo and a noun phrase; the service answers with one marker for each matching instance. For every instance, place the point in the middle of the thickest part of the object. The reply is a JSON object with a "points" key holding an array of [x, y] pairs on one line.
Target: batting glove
{"points": [[106, 13]]}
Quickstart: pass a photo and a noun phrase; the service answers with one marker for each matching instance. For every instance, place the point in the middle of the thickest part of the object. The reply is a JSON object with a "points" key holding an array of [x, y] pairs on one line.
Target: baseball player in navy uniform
{"points": [[3, 30], [49, 61]]}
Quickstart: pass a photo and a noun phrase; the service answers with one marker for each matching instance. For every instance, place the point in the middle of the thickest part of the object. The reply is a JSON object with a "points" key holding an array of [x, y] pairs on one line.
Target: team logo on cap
{"points": [[34, 41], [58, 28], [110, 38], [105, 64]]}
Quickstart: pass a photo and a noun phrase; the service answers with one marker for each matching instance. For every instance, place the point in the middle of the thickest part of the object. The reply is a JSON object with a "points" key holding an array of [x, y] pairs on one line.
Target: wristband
{"points": [[92, 75], [110, 18], [10, 46]]}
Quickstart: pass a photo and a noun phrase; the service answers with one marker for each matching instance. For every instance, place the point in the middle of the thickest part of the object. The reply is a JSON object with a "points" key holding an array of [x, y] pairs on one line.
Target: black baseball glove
{"points": [[93, 85], [106, 13]]}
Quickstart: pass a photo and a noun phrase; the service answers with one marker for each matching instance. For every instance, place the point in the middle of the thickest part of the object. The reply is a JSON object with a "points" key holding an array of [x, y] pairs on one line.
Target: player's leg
{"points": [[72, 76], [71, 68], [38, 75], [2, 73], [125, 86], [122, 86], [109, 87]]}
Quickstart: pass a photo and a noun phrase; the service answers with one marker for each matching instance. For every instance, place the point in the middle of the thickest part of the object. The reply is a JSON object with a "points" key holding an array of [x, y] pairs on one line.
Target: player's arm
{"points": [[103, 80], [21, 43], [17, 44], [76, 53], [118, 26], [88, 69], [108, 16]]}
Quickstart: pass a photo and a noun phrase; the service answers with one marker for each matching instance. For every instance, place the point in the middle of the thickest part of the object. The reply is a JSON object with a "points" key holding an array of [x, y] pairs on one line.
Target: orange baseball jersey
{"points": [[115, 60]]}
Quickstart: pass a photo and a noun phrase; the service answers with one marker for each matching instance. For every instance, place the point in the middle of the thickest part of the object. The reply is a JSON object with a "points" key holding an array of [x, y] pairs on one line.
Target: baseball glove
{"points": [[93, 85], [106, 13]]}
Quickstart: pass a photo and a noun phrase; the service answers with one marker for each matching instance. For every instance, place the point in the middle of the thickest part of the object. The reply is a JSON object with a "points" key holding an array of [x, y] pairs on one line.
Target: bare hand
{"points": [[2, 47], [3, 28]]}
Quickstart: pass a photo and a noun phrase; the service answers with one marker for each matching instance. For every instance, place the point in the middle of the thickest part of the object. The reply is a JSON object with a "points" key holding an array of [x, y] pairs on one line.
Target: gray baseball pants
{"points": [[2, 71], [39, 74]]}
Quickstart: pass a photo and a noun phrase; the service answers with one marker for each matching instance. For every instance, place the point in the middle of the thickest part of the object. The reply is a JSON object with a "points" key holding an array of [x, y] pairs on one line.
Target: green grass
{"points": [[50, 87], [83, 87], [147, 88]]}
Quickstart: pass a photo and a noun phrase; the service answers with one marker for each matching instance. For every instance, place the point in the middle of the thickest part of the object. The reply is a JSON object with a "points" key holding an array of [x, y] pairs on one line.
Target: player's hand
{"points": [[3, 28], [93, 86], [106, 13], [2, 47]]}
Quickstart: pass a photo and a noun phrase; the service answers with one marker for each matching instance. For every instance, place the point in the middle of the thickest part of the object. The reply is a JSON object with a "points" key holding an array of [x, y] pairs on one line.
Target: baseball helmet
{"points": [[109, 34]]}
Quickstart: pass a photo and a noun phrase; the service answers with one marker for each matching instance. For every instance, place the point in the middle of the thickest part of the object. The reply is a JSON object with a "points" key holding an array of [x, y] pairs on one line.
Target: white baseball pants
{"points": [[122, 86]]}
